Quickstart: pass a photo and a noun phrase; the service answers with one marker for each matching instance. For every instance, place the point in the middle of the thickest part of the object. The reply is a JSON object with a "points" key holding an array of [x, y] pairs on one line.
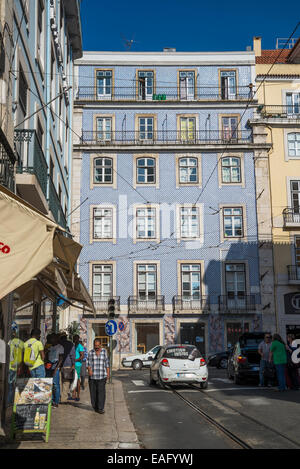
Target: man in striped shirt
{"points": [[98, 370]]}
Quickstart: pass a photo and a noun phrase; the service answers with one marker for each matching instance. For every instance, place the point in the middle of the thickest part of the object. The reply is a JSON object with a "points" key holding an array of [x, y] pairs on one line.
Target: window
{"points": [[297, 251], [228, 84], [191, 281], [294, 144], [102, 281], [189, 222], [145, 85], [40, 133], [145, 223], [293, 103], [233, 222], [187, 85], [23, 87], [102, 223], [229, 128], [235, 279], [187, 128], [145, 171], [40, 31], [188, 170], [103, 171], [295, 196], [146, 281], [104, 128], [231, 170], [146, 128], [104, 84]]}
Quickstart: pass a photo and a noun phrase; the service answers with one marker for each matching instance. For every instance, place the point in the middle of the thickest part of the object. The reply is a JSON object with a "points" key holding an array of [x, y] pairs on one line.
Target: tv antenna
{"points": [[128, 42]]}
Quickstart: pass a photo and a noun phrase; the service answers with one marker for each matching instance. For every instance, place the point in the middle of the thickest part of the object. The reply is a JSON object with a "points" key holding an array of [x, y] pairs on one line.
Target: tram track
{"points": [[226, 431]]}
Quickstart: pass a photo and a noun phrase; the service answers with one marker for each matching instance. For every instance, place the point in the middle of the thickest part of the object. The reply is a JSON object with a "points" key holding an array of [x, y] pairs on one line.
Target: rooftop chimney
{"points": [[257, 46]]}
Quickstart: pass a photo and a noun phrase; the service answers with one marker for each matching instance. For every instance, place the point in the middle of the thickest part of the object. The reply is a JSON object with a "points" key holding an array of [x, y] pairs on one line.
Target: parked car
{"points": [[142, 359], [220, 359], [244, 361], [179, 364]]}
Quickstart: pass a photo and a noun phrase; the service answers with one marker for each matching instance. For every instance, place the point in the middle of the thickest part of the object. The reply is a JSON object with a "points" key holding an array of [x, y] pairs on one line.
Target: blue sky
{"points": [[193, 25]]}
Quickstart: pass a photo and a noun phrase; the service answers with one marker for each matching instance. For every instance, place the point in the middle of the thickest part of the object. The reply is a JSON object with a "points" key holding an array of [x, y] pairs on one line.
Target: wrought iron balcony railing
{"points": [[237, 302], [55, 206], [36, 161], [189, 303], [7, 162], [101, 302], [291, 216], [289, 111], [294, 273], [164, 93], [167, 137], [136, 303]]}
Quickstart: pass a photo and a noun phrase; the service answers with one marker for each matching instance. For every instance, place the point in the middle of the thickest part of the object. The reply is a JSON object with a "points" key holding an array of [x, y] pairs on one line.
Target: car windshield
{"points": [[182, 353]]}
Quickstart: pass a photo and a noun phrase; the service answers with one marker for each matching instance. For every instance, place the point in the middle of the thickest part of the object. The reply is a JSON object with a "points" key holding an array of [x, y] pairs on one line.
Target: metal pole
{"points": [[110, 358]]}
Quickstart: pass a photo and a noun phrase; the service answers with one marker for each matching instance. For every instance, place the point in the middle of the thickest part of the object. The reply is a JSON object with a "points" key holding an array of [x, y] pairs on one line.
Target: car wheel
{"points": [[223, 363], [152, 381], [137, 365], [204, 385], [160, 382], [237, 380]]}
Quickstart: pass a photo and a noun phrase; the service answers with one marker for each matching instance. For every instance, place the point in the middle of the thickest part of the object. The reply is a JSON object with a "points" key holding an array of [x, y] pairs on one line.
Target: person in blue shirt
{"points": [[79, 354], [83, 368]]}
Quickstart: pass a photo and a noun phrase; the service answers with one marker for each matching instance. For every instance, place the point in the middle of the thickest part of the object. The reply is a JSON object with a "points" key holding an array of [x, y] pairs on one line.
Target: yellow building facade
{"points": [[278, 120]]}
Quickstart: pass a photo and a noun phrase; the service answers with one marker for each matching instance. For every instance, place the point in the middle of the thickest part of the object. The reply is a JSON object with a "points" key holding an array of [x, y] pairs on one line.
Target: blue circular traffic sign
{"points": [[111, 327], [121, 326]]}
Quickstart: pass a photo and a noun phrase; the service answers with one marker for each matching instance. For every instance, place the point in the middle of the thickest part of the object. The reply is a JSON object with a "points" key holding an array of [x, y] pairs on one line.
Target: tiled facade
{"points": [[227, 300]]}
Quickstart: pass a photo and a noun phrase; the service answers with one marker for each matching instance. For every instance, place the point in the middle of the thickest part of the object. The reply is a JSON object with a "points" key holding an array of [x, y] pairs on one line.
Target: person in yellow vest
{"points": [[34, 355], [16, 347]]}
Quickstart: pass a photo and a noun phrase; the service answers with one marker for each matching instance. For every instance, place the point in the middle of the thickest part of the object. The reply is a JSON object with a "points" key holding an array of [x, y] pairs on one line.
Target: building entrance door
{"points": [[193, 333]]}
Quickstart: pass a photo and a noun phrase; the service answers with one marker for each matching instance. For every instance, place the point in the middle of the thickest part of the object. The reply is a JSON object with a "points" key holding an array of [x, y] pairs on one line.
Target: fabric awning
{"points": [[35, 253]]}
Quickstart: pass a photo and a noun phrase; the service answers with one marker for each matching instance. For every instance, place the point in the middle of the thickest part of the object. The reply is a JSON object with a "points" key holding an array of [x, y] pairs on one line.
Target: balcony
{"points": [[291, 218], [294, 274], [55, 206], [190, 304], [7, 163], [32, 169], [283, 112], [165, 94], [237, 303], [165, 138], [146, 305], [101, 303]]}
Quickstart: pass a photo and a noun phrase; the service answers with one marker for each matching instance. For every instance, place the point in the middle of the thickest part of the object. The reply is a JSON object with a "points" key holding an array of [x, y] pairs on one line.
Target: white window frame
{"points": [[188, 218], [103, 167], [186, 85], [147, 272], [188, 167], [230, 84], [102, 219], [231, 167], [146, 175], [191, 271], [294, 107], [144, 86], [104, 270], [146, 135], [107, 87], [105, 133], [149, 213], [232, 216]]}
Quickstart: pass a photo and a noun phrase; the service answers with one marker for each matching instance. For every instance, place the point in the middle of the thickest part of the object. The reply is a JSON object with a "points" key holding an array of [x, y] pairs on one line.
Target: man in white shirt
{"points": [[55, 358]]}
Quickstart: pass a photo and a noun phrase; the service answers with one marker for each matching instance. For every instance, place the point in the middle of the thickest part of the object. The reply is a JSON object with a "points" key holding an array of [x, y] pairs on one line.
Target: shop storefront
{"points": [[37, 263]]}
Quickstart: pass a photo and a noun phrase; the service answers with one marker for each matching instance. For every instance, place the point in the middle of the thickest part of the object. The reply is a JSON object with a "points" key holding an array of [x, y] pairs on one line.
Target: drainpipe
{"points": [[48, 91]]}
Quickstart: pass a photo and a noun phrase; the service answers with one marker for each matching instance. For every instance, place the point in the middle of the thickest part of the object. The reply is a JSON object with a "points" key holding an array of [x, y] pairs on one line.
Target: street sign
{"points": [[121, 326], [111, 327]]}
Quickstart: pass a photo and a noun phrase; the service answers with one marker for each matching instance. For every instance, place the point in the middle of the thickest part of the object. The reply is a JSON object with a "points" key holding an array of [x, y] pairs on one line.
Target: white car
{"points": [[142, 359], [179, 364]]}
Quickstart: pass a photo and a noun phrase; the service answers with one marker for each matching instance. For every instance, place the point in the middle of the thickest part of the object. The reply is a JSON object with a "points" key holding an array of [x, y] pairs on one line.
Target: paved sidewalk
{"points": [[75, 425]]}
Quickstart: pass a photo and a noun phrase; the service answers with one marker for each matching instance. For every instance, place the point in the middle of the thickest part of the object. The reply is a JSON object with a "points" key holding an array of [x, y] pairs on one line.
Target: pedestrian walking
{"points": [[54, 359], [264, 351], [34, 355], [98, 371], [279, 356], [79, 353], [83, 368], [292, 368], [16, 347], [67, 367]]}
